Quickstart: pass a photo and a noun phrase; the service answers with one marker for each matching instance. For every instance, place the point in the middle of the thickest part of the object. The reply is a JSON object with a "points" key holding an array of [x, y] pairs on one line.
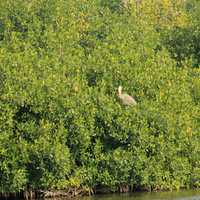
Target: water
{"points": [[181, 195]]}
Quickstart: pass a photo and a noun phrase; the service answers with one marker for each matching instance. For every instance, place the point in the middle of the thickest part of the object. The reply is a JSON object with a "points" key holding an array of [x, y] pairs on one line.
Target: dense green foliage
{"points": [[61, 123], [183, 42]]}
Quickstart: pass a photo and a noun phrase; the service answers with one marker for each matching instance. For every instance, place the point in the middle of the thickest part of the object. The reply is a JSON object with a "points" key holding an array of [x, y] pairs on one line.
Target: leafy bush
{"points": [[183, 42], [60, 120]]}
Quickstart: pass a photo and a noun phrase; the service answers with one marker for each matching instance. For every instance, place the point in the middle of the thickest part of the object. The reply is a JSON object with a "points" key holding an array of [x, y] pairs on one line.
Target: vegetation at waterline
{"points": [[61, 124]]}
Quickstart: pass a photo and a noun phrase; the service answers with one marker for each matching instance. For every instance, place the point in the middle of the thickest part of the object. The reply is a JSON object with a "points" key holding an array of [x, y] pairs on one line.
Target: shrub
{"points": [[60, 120]]}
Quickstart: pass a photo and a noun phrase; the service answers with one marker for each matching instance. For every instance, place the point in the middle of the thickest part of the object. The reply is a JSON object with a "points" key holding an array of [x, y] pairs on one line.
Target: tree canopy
{"points": [[61, 124]]}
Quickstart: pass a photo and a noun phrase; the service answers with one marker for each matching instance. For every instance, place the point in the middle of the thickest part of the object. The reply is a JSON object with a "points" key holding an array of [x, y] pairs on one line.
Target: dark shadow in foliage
{"points": [[157, 124], [93, 77], [18, 24], [182, 44], [71, 141], [103, 133], [195, 92], [113, 5], [87, 45], [25, 115], [2, 81], [190, 6], [35, 172], [118, 128], [109, 142], [2, 30], [100, 34], [179, 43], [90, 39]]}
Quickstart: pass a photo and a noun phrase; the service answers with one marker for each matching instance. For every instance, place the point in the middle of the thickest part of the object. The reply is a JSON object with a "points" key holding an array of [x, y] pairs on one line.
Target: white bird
{"points": [[125, 98]]}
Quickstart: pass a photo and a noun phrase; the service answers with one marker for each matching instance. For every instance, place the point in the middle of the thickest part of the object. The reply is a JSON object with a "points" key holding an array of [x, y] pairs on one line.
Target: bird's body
{"points": [[125, 98]]}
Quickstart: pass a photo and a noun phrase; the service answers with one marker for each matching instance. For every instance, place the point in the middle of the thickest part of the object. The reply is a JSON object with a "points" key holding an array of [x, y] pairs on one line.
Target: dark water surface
{"points": [[181, 195]]}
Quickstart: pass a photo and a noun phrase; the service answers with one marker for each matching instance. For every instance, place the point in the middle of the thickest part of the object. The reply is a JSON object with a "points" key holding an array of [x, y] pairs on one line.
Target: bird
{"points": [[125, 98]]}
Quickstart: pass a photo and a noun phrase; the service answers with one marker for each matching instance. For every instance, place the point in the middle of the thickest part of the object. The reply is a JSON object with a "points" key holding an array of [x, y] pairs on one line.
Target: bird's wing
{"points": [[128, 100]]}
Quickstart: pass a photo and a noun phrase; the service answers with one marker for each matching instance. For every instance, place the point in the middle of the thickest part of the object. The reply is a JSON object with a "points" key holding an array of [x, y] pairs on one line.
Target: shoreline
{"points": [[72, 193]]}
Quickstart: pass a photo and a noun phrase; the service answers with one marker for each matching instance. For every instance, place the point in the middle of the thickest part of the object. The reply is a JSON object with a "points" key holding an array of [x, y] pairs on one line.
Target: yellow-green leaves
{"points": [[61, 122]]}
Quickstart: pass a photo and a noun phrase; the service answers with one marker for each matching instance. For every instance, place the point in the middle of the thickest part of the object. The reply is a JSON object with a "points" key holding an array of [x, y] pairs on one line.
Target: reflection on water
{"points": [[181, 195]]}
